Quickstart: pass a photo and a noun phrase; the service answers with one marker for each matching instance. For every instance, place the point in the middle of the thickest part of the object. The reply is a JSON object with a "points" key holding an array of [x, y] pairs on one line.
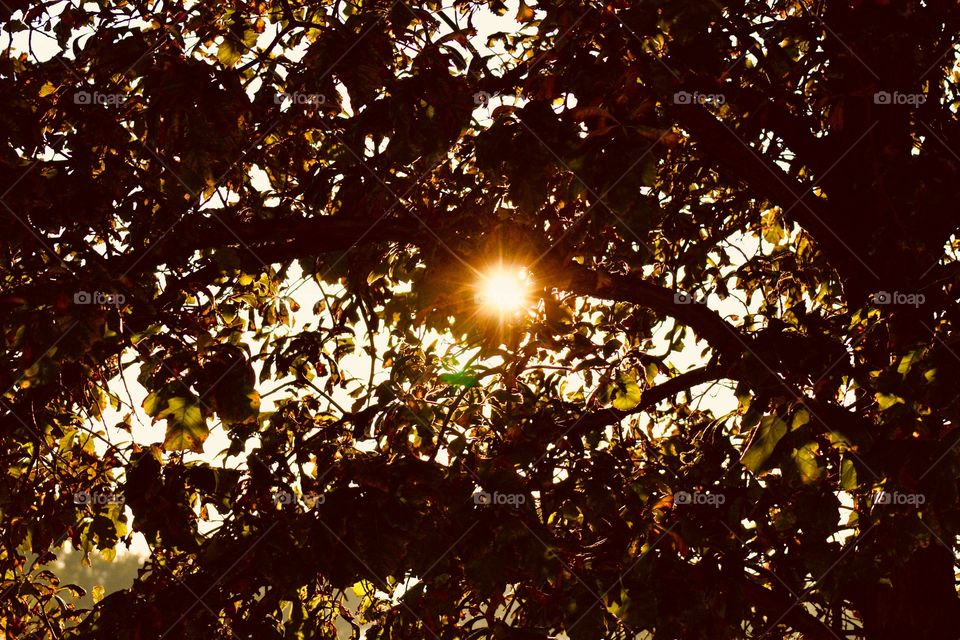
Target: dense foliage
{"points": [[752, 198]]}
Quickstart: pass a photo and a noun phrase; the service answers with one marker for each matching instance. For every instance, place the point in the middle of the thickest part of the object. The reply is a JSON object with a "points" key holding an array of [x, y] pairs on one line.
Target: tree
{"points": [[169, 170]]}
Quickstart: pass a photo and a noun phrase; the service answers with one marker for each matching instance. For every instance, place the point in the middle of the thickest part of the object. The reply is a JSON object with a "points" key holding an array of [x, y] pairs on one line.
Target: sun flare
{"points": [[505, 290]]}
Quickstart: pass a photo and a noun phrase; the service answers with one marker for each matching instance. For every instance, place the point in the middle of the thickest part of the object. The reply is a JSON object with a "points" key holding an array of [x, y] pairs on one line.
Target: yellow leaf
{"points": [[627, 395], [887, 400], [362, 588], [525, 13], [47, 89], [97, 593]]}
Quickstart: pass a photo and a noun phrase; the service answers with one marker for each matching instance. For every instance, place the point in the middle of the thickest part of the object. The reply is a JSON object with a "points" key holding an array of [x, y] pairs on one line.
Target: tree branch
{"points": [[723, 337], [650, 397], [789, 613], [735, 157]]}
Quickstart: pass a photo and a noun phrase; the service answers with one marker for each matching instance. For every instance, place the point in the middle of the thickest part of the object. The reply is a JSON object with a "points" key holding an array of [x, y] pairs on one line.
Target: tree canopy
{"points": [[654, 305]]}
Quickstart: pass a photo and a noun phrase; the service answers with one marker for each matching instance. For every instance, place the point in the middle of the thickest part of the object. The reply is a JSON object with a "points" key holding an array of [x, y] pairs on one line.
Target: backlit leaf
{"points": [[186, 427], [765, 438]]}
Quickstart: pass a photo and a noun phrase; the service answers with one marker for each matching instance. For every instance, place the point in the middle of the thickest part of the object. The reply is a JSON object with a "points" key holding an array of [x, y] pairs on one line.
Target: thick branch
{"points": [[736, 158], [723, 337], [650, 397]]}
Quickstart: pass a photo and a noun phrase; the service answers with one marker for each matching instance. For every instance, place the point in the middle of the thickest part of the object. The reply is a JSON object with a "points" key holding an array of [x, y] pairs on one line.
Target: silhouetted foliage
{"points": [[754, 198]]}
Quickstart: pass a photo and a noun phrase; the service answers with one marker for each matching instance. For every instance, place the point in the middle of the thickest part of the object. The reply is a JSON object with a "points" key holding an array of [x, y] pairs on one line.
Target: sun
{"points": [[505, 290]]}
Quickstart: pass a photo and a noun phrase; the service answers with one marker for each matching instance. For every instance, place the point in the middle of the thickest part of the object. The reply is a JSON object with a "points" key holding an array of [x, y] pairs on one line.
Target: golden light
{"points": [[505, 290]]}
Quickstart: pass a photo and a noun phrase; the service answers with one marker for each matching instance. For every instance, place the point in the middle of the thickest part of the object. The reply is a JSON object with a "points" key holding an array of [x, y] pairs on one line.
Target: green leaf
{"points": [[151, 404], [765, 439], [460, 379], [806, 460], [228, 53], [627, 395], [186, 427]]}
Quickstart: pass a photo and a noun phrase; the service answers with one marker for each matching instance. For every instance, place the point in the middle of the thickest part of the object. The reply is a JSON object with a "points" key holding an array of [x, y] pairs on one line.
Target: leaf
{"points": [[151, 404], [650, 372], [525, 13], [765, 438], [47, 89], [806, 460], [773, 231], [460, 379], [800, 418], [362, 588], [186, 427], [627, 395], [907, 362], [848, 475], [887, 400], [97, 593], [228, 53]]}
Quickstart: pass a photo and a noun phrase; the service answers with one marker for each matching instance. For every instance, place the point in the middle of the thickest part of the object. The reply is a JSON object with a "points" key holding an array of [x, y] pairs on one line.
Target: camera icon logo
{"points": [[682, 97], [282, 497], [682, 298], [82, 297], [81, 497], [899, 499], [481, 98], [882, 97], [482, 497], [82, 97], [881, 297], [682, 497]]}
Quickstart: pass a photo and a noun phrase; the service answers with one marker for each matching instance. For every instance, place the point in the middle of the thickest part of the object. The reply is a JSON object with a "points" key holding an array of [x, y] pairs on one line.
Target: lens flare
{"points": [[505, 290]]}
